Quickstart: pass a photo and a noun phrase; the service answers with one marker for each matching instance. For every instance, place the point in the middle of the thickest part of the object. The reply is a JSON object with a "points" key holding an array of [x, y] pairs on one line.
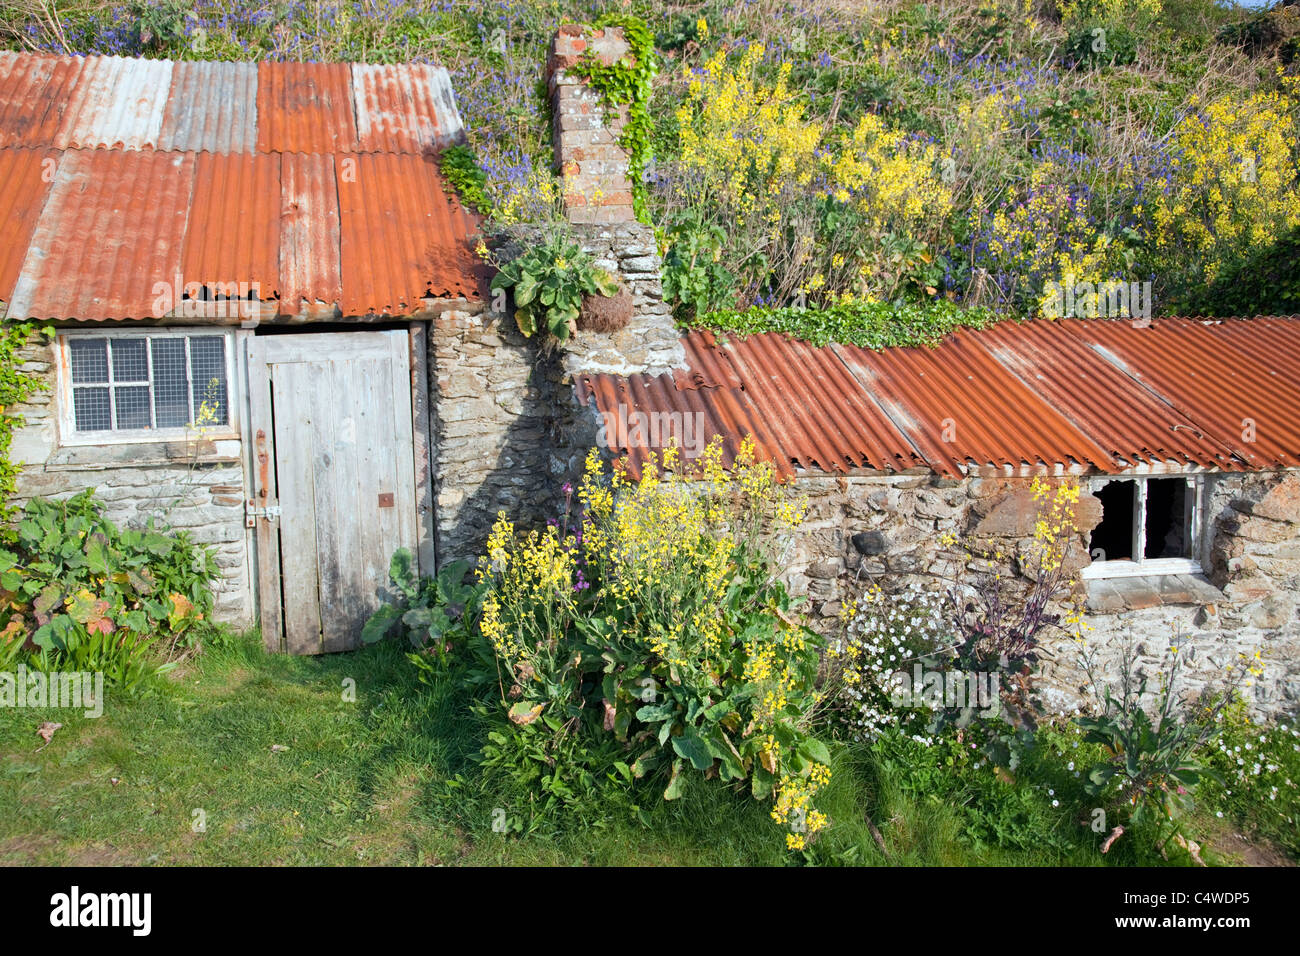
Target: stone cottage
{"points": [[272, 330], [1183, 434]]}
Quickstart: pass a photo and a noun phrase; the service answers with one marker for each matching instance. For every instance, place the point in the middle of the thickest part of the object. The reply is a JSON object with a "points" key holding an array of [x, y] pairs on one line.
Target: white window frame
{"points": [[1138, 566], [67, 417]]}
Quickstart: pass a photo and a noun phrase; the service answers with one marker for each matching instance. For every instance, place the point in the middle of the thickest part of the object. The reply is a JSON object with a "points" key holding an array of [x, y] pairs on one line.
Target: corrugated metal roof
{"points": [[799, 404], [1237, 380], [808, 399], [35, 92], [25, 179], [1098, 397], [107, 101], [298, 183], [404, 109], [724, 413], [310, 272], [110, 231], [305, 108], [1069, 396], [115, 102], [395, 238], [212, 107], [221, 248], [960, 407]]}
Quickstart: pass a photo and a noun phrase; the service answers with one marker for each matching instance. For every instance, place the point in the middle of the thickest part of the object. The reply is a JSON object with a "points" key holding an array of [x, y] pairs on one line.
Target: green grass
{"points": [[391, 779]]}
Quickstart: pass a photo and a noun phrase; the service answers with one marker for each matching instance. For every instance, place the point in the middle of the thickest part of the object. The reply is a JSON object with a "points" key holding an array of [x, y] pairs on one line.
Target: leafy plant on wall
{"points": [[548, 283], [462, 171]]}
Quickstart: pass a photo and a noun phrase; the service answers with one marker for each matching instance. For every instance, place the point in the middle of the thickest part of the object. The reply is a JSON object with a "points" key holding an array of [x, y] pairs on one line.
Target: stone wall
{"points": [[884, 530], [650, 343], [195, 486], [507, 434]]}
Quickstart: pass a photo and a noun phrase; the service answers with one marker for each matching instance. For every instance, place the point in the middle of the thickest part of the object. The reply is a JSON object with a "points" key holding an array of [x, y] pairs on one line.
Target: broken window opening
{"points": [[1148, 526]]}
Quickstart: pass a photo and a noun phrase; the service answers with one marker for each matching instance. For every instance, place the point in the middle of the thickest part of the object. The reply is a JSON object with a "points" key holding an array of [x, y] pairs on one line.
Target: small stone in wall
{"points": [[1257, 528], [1012, 516], [1271, 613], [871, 542], [1280, 503], [930, 505]]}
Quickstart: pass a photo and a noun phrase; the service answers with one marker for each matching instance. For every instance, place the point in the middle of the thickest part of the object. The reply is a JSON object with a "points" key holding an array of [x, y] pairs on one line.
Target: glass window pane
{"points": [[132, 406], [89, 360], [91, 408], [171, 388], [130, 364], [208, 363]]}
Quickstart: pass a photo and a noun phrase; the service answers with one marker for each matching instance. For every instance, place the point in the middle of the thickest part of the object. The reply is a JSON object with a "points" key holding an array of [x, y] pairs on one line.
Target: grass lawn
{"points": [[391, 779]]}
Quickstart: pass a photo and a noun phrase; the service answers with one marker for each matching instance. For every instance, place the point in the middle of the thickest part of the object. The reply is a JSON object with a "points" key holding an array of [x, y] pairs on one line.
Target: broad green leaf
{"points": [[691, 746], [675, 781], [526, 289], [379, 623]]}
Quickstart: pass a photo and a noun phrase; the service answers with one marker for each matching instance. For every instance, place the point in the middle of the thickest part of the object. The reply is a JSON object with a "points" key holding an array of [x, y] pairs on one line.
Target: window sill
{"points": [[1134, 593], [1149, 568], [99, 457]]}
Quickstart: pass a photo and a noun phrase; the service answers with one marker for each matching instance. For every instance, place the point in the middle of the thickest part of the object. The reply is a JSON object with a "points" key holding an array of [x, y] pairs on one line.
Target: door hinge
{"points": [[252, 513]]}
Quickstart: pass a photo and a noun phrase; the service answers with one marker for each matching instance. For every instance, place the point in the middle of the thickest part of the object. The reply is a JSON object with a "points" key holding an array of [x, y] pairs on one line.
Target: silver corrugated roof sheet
{"points": [[404, 109], [116, 102], [212, 108]]}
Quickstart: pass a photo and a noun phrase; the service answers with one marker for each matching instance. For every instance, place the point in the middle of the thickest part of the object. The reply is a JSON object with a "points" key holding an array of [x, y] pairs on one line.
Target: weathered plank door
{"points": [[333, 480]]}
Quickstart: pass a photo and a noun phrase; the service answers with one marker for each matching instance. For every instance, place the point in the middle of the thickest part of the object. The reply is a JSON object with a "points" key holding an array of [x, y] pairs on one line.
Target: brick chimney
{"points": [[598, 205], [587, 153]]}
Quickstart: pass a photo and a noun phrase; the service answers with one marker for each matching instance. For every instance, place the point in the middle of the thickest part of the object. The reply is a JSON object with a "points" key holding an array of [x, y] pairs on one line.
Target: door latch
{"points": [[252, 513]]}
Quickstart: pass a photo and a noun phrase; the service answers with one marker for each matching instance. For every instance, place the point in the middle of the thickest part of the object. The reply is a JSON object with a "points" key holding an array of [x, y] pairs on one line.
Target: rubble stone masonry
{"points": [[884, 530], [195, 486]]}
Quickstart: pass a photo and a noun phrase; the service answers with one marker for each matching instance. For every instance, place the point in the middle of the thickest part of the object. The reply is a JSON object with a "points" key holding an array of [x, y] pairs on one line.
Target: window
{"points": [[145, 387], [1148, 526]]}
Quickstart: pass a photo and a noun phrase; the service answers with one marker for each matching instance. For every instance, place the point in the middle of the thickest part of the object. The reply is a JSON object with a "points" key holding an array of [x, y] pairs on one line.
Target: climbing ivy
{"points": [[627, 83], [15, 387]]}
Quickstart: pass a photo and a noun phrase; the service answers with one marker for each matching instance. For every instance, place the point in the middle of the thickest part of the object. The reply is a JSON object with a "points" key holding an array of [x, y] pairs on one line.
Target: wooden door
{"points": [[333, 480]]}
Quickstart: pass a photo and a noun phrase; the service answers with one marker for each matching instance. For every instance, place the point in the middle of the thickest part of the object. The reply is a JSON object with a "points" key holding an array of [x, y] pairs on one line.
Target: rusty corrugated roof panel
{"points": [[1071, 395], [305, 108], [25, 179], [1233, 378], [404, 109], [267, 148], [818, 415], [1101, 400], [310, 270], [110, 231], [403, 238], [116, 102], [690, 417], [34, 95], [961, 408], [799, 403], [212, 108], [706, 365], [234, 229]]}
